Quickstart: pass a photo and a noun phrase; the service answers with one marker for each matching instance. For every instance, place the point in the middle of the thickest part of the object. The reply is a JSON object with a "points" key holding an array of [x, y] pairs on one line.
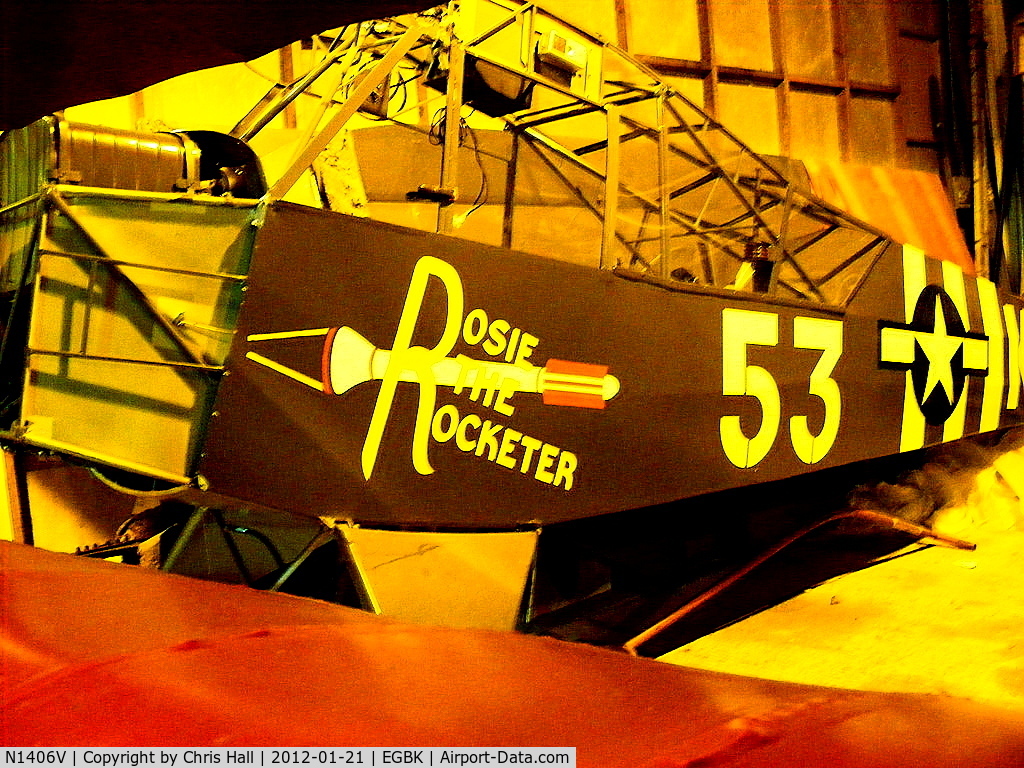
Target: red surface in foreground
{"points": [[96, 654]]}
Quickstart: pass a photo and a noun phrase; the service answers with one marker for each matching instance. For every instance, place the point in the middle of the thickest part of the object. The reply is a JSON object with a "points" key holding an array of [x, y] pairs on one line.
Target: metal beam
{"points": [[360, 94], [449, 179]]}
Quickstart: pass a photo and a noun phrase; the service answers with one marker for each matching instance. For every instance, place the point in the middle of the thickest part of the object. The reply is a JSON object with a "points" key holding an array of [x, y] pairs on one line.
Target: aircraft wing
{"points": [[99, 654]]}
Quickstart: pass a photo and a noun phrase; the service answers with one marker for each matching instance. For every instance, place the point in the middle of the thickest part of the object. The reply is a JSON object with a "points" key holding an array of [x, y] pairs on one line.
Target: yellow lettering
{"points": [[475, 327], [526, 349], [484, 377], [505, 391], [467, 366], [554, 466], [512, 340], [462, 437], [495, 345], [566, 466], [487, 384], [544, 463], [487, 440], [530, 445], [437, 428], [415, 362], [509, 441]]}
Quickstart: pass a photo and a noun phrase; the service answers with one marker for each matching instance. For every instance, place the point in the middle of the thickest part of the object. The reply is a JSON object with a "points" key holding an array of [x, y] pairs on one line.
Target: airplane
{"points": [[628, 310]]}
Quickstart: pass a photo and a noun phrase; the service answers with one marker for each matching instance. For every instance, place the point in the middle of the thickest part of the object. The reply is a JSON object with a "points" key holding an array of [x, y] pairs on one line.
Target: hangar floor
{"points": [[928, 620]]}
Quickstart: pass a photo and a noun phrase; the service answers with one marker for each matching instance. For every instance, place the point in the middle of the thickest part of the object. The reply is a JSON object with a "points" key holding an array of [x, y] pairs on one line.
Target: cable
{"points": [[436, 136], [437, 131], [484, 191], [128, 490]]}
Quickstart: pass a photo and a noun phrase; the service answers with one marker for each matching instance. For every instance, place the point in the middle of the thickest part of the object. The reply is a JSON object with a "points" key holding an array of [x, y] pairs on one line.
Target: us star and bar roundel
{"points": [[941, 355], [945, 351]]}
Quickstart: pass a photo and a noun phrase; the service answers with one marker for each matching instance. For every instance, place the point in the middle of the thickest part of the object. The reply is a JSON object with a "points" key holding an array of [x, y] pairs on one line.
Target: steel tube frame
{"points": [[118, 274], [355, 100], [670, 120]]}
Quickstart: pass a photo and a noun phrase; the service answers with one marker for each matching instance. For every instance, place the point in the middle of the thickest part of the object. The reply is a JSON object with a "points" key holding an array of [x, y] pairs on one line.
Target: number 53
{"points": [[742, 328]]}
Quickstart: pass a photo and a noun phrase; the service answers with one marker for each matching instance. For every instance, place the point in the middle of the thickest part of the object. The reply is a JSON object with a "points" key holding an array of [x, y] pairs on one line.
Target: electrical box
{"points": [[561, 52]]}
